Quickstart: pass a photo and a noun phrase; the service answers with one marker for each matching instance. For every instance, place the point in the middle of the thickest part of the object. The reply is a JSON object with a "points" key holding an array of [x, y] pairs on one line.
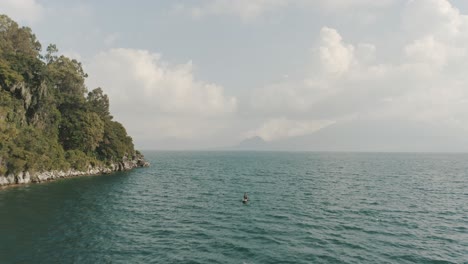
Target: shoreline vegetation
{"points": [[51, 125]]}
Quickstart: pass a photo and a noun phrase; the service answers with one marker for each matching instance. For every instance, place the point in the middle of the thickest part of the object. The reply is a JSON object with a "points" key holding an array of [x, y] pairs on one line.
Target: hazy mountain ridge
{"points": [[373, 136], [252, 143]]}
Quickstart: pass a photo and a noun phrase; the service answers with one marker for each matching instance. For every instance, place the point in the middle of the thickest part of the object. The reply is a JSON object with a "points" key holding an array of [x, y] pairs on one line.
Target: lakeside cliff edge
{"points": [[51, 125], [137, 161]]}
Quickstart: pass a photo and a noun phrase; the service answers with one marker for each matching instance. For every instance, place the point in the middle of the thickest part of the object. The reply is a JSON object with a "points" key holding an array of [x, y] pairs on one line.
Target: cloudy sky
{"points": [[210, 73]]}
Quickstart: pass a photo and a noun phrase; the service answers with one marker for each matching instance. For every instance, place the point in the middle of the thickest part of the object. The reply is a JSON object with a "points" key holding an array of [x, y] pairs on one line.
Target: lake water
{"points": [[304, 208]]}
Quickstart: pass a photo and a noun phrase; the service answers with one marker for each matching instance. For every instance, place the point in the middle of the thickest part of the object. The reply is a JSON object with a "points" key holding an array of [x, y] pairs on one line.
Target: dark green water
{"points": [[305, 208]]}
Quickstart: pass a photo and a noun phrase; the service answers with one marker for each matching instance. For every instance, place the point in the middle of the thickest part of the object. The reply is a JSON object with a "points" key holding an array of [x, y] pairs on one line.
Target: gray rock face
{"points": [[142, 163], [11, 179], [3, 181], [24, 91], [27, 177], [19, 177]]}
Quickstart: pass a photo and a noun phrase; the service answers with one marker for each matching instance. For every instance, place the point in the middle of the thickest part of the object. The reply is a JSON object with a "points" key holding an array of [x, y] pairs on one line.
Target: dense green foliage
{"points": [[48, 120]]}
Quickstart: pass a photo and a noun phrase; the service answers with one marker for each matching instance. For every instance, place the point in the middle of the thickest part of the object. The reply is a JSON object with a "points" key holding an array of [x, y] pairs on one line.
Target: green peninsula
{"points": [[51, 126]]}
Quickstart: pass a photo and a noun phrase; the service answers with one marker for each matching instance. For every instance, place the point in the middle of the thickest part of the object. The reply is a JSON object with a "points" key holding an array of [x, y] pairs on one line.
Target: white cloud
{"points": [[427, 50], [251, 9], [142, 77], [366, 52], [435, 17], [22, 10], [246, 9], [425, 83], [438, 32], [280, 128], [336, 56], [139, 83], [334, 63], [341, 4]]}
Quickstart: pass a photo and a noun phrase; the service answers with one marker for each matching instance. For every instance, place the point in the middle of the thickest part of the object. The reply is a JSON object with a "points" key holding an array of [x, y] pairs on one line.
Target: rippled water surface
{"points": [[304, 208]]}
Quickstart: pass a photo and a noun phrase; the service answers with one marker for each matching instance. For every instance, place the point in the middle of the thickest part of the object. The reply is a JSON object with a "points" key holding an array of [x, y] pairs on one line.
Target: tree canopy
{"points": [[48, 119]]}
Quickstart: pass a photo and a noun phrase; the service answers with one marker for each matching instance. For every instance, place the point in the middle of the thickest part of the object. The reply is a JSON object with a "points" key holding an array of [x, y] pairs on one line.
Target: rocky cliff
{"points": [[26, 177]]}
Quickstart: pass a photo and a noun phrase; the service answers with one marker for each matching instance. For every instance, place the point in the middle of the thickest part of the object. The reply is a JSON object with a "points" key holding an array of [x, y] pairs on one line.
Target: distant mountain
{"points": [[375, 136], [253, 143], [372, 136]]}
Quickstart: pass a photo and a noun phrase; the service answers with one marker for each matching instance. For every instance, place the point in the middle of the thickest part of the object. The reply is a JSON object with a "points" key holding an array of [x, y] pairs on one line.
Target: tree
{"points": [[67, 78], [81, 130], [116, 142], [51, 54], [98, 102], [14, 39]]}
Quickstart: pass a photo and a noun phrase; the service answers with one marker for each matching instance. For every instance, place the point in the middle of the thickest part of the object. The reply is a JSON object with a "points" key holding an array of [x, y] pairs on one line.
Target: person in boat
{"points": [[246, 198]]}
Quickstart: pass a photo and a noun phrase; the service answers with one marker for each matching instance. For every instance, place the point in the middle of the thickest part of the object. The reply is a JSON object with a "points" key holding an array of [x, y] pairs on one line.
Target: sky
{"points": [[205, 74]]}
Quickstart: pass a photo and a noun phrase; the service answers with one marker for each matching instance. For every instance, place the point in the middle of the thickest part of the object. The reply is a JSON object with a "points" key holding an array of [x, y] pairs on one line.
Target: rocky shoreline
{"points": [[27, 177]]}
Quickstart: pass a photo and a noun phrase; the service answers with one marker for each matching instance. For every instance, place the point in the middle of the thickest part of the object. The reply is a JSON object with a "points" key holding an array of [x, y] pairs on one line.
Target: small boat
{"points": [[245, 200]]}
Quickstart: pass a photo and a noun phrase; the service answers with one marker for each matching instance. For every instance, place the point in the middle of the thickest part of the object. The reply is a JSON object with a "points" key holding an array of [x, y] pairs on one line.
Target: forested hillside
{"points": [[48, 118]]}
